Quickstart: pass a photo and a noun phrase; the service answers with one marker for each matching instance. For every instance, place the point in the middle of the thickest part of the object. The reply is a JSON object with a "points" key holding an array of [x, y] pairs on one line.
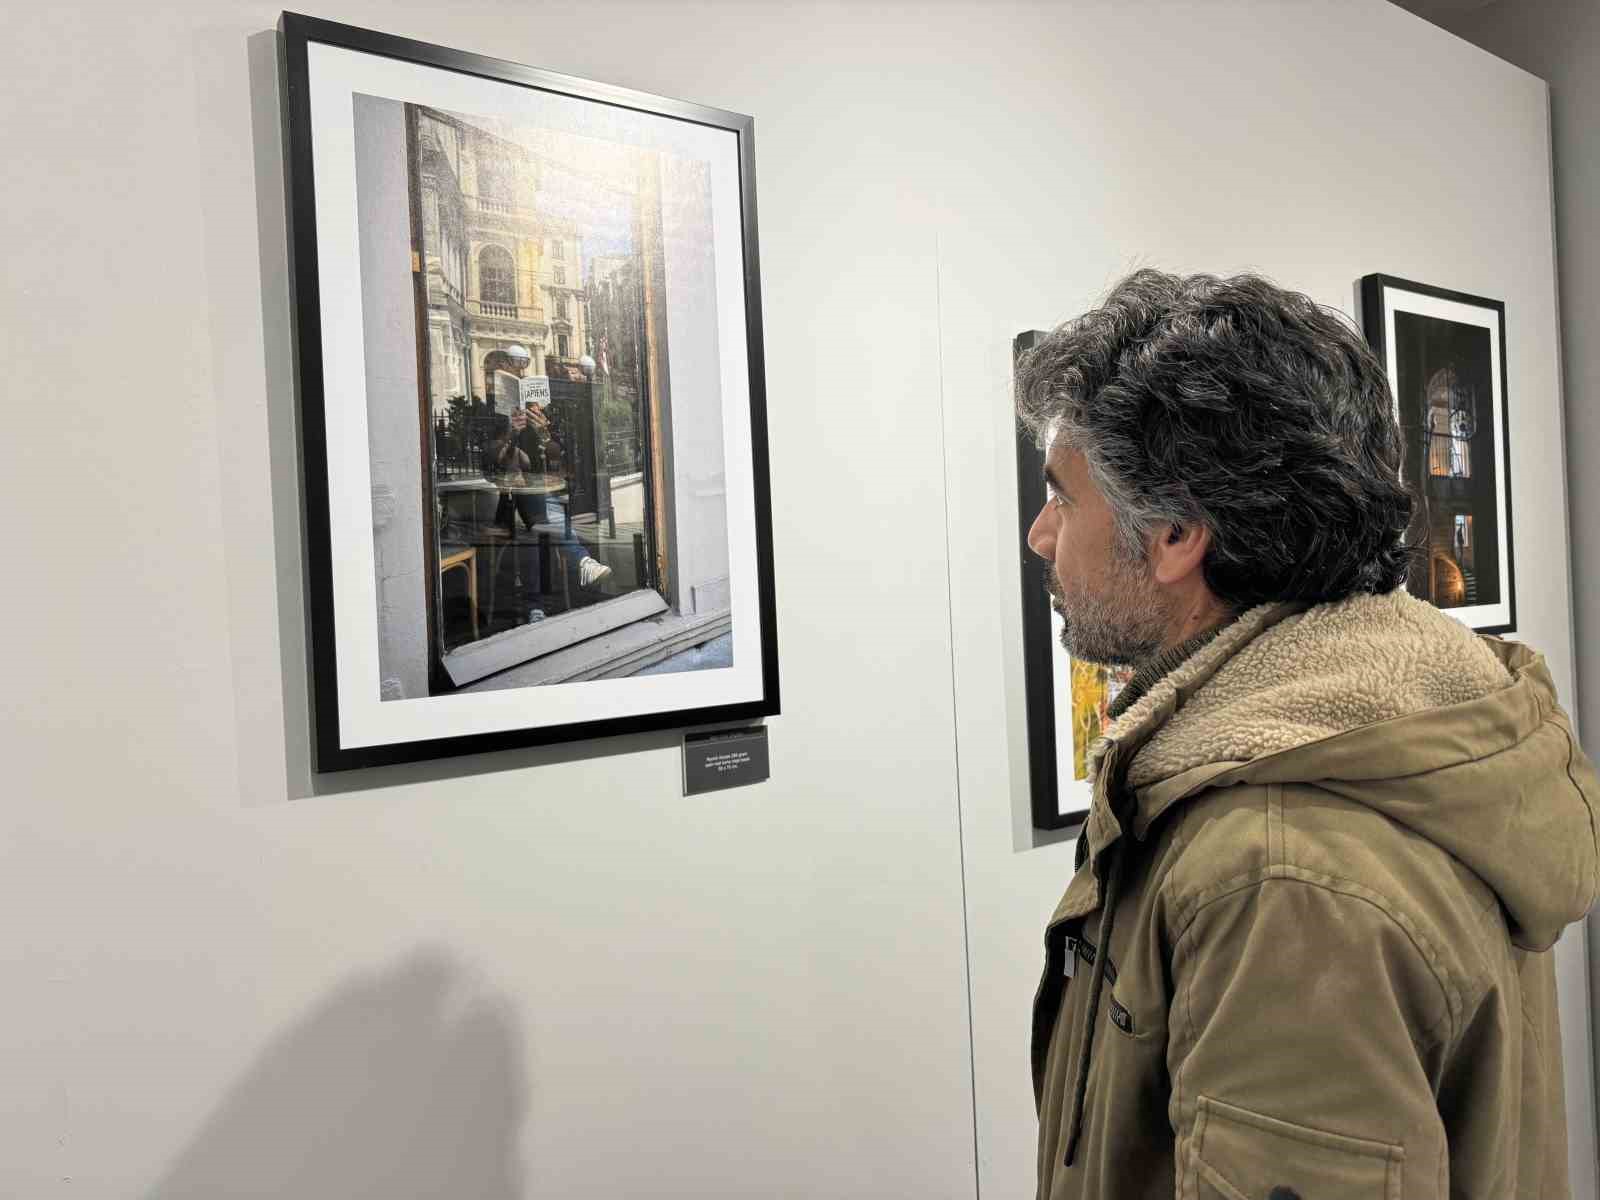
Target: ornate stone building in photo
{"points": [[502, 277]]}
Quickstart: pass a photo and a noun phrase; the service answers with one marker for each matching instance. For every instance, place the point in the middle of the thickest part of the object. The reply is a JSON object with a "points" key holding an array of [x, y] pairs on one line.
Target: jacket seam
{"points": [[1198, 1132], [1493, 929], [1538, 1041], [1265, 759], [1354, 890], [1189, 1045], [1277, 854], [1544, 1069], [1180, 843], [1594, 835]]}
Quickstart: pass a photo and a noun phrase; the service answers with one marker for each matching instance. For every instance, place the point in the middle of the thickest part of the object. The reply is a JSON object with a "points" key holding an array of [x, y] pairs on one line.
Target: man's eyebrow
{"points": [[1054, 481]]}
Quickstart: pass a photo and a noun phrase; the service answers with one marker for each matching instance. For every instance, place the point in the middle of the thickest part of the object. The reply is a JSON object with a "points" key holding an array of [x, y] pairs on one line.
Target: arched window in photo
{"points": [[1451, 424]]}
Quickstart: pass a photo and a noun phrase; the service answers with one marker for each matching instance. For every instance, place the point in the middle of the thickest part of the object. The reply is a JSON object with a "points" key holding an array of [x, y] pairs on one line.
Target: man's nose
{"points": [[1040, 540]]}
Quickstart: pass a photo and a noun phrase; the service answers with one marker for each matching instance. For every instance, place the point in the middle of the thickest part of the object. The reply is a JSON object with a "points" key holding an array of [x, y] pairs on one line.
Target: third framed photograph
{"points": [[1067, 699], [1444, 352]]}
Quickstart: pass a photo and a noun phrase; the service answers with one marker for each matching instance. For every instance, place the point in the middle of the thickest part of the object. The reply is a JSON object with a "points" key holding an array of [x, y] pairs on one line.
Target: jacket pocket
{"points": [[1241, 1155]]}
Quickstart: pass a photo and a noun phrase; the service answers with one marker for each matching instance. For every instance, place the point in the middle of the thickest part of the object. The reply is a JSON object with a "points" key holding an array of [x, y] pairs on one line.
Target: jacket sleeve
{"points": [[1303, 1045]]}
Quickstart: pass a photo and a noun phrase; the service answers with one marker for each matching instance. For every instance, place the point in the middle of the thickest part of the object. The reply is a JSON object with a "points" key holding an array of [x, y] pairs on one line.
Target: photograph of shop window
{"points": [[1444, 392], [548, 520]]}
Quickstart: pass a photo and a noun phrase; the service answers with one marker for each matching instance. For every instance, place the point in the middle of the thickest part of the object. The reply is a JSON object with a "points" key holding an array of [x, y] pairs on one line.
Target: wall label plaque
{"points": [[729, 758]]}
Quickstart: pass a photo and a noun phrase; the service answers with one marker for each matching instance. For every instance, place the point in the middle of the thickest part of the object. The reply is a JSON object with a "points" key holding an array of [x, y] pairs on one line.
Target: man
{"points": [[1334, 833], [509, 466]]}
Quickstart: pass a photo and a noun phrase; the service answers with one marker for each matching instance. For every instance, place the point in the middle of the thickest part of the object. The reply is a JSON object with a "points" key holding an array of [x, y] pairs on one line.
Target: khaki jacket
{"points": [[1307, 944]]}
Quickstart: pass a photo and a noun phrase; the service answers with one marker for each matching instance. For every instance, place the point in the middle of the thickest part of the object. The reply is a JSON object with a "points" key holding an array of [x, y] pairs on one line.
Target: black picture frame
{"points": [[334, 748], [1043, 660], [1444, 352]]}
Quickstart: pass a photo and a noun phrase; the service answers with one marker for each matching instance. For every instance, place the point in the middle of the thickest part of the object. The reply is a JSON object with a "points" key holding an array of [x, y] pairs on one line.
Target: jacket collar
{"points": [[1114, 808]]}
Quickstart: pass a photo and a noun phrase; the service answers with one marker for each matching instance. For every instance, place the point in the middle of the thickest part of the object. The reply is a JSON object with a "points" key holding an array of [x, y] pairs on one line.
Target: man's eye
{"points": [[1058, 500]]}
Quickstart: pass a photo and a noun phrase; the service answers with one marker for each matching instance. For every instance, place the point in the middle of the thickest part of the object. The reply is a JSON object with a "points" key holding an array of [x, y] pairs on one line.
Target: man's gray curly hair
{"points": [[1236, 404]]}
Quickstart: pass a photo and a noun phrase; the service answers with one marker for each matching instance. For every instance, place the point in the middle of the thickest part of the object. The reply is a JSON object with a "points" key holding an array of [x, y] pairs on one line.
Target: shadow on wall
{"points": [[405, 1084]]}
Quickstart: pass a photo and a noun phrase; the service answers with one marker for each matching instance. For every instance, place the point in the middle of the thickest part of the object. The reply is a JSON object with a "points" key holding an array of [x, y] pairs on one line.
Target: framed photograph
{"points": [[1445, 355], [528, 337], [1066, 698]]}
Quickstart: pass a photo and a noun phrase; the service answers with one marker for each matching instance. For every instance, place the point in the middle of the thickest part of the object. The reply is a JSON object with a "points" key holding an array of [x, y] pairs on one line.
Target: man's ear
{"points": [[1179, 552]]}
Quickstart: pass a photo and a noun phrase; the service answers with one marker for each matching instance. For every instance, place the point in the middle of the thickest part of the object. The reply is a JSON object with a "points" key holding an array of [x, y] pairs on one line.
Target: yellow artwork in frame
{"points": [[1094, 687]]}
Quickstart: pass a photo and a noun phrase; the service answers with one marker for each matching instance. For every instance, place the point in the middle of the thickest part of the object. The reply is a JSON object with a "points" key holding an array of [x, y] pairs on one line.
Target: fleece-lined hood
{"points": [[1386, 700]]}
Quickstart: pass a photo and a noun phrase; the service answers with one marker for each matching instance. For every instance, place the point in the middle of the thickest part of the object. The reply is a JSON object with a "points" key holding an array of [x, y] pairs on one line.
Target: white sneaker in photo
{"points": [[591, 572]]}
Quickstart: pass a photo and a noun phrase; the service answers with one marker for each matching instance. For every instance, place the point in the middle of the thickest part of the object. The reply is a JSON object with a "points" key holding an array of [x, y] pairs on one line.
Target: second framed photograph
{"points": [[1067, 699], [532, 402], [1444, 352]]}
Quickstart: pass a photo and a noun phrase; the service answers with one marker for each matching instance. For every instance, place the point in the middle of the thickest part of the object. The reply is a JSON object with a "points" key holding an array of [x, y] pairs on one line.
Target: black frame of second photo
{"points": [[1447, 372]]}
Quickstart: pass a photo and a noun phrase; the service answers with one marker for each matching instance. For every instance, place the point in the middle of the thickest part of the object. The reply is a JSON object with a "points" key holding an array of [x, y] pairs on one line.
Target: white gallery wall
{"points": [[546, 973], [1559, 40]]}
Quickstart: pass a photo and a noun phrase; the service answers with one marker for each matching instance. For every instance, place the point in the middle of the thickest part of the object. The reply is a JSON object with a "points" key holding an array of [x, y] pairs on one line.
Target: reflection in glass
{"points": [[1452, 420], [533, 249]]}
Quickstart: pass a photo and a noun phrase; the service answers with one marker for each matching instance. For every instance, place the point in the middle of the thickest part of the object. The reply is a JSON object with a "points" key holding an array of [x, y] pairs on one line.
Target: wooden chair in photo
{"points": [[466, 559]]}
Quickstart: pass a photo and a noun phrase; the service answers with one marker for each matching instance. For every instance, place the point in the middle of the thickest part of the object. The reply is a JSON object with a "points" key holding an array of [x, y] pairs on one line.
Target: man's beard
{"points": [[1125, 624]]}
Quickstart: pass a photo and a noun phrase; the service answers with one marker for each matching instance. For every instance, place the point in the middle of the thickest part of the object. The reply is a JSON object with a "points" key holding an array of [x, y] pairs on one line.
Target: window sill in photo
{"points": [[617, 654], [494, 655]]}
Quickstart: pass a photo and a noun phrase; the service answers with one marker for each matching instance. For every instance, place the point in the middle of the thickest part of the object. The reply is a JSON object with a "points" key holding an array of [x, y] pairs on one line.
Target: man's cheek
{"points": [[1067, 576]]}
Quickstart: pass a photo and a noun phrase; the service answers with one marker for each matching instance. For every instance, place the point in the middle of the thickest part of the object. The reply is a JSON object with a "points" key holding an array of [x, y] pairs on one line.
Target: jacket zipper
{"points": [[1108, 899]]}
